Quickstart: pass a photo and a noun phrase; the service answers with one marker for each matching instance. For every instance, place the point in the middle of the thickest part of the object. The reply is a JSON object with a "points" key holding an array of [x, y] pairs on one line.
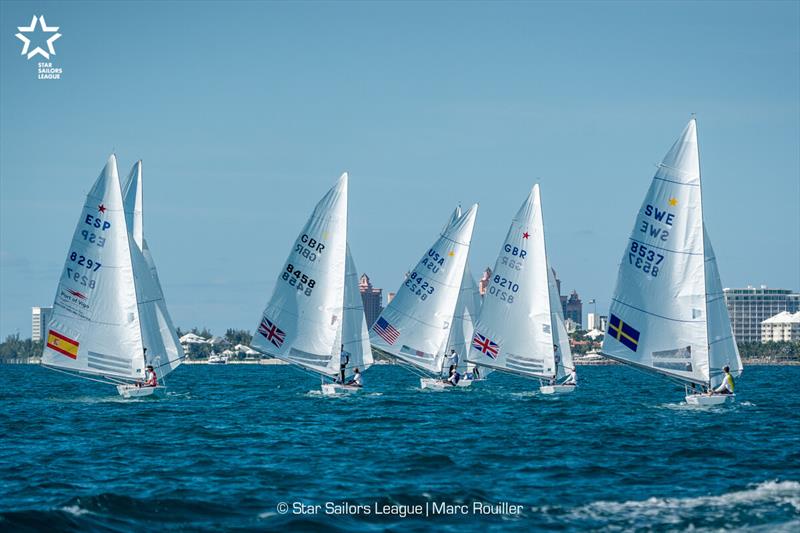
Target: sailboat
{"points": [[315, 313], [520, 328], [109, 306], [668, 313], [415, 327]]}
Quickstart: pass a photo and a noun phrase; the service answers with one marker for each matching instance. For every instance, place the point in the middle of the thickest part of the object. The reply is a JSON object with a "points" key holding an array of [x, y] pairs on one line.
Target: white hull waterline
{"points": [[439, 384], [135, 391], [333, 389], [557, 389], [704, 400]]}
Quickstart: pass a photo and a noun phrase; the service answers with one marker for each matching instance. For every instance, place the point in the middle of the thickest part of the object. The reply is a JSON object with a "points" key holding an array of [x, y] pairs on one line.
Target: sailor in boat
{"points": [[356, 381], [151, 380], [344, 360], [474, 375], [572, 379], [453, 378], [727, 385]]}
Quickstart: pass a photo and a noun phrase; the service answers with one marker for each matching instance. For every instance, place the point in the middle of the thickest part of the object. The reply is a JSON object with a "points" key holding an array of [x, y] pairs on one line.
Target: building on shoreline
{"points": [[750, 307], [372, 298], [39, 318], [784, 326]]}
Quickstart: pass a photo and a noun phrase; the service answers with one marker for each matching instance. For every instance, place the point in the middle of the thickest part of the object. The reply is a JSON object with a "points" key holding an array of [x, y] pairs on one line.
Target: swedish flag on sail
{"points": [[623, 332]]}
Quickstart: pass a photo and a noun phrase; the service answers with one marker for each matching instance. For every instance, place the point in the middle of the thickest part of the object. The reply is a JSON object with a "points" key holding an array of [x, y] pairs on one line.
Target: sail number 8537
{"points": [[295, 278], [645, 259]]}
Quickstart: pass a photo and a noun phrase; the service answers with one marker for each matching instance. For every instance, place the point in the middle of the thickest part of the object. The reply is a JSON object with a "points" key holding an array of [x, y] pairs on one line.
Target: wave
{"points": [[770, 503]]}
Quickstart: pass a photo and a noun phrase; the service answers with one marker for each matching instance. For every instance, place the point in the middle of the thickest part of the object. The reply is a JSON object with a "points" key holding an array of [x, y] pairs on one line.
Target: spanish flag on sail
{"points": [[62, 344]]}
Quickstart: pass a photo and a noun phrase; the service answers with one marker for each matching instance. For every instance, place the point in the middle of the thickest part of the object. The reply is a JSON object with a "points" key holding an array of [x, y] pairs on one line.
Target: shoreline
{"points": [[272, 361]]}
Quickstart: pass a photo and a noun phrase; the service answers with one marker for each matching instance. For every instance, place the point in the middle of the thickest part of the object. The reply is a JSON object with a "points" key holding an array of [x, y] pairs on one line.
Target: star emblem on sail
{"points": [[26, 42]]}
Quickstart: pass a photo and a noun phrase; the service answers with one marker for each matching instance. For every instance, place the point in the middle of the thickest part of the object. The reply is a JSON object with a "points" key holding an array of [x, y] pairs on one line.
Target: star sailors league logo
{"points": [[40, 43]]}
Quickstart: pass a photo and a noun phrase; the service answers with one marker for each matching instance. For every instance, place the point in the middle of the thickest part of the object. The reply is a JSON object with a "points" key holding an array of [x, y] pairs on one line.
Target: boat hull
{"points": [[132, 391], [705, 400], [332, 389], [557, 389], [438, 384]]}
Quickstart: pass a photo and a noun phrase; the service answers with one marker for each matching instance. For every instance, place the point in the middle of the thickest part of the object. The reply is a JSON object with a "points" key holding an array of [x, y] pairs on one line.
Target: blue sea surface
{"points": [[228, 445]]}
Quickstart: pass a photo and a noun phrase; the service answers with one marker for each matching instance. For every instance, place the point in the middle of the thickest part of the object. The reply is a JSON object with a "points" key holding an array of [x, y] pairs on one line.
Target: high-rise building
{"points": [[573, 308], [483, 284], [751, 306], [372, 299], [603, 323], [389, 298], [593, 322], [784, 326], [39, 318]]}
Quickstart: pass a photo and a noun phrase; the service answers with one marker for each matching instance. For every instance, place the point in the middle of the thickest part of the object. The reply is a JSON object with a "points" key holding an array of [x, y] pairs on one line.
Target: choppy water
{"points": [[228, 444]]}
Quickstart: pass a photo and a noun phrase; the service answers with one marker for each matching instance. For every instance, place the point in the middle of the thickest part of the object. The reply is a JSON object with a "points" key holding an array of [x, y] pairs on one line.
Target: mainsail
{"points": [[668, 306], [416, 325], [303, 322], [514, 332], [96, 327]]}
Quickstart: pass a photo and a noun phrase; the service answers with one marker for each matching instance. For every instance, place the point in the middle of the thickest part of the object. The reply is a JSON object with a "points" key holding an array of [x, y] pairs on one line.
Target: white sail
{"points": [[565, 365], [95, 326], [514, 331], [355, 335], [302, 322], [658, 317], [722, 349], [467, 308], [159, 335], [415, 326]]}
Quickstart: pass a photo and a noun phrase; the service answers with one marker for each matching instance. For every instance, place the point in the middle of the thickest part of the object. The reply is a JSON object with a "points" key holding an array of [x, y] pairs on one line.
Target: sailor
{"points": [[727, 385], [454, 376], [344, 360], [356, 381], [475, 373], [572, 379], [150, 378]]}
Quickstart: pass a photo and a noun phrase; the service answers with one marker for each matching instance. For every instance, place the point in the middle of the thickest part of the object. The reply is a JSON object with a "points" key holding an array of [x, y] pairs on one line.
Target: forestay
{"points": [[514, 331], [416, 325], [302, 322], [95, 327]]}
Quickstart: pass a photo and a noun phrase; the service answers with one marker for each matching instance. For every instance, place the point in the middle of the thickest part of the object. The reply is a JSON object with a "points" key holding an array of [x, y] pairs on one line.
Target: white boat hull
{"points": [[132, 391], [556, 389], [705, 400], [438, 384], [332, 389]]}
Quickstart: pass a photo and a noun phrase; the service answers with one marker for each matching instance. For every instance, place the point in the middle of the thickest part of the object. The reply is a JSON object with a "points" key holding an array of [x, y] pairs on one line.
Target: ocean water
{"points": [[228, 445]]}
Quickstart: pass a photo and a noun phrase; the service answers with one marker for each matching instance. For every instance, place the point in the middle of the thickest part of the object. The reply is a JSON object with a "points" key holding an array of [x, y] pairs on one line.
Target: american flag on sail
{"points": [[386, 330], [485, 345], [271, 332]]}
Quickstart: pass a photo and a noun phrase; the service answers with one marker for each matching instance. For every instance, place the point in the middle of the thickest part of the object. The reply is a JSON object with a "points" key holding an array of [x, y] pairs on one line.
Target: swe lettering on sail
{"points": [[662, 216]]}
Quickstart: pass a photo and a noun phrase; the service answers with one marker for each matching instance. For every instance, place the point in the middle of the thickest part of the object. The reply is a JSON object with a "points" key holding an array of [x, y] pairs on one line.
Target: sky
{"points": [[244, 114]]}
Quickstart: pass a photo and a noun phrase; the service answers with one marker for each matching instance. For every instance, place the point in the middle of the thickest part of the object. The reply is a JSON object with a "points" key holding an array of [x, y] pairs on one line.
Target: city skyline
{"points": [[238, 147]]}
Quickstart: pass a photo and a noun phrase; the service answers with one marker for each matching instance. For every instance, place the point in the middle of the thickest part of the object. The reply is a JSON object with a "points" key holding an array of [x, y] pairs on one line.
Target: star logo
{"points": [[525, 235], [673, 202], [26, 42], [101, 208], [452, 253]]}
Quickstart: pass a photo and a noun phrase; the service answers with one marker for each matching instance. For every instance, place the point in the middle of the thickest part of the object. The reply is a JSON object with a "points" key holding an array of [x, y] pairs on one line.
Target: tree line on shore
{"points": [[15, 348]]}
